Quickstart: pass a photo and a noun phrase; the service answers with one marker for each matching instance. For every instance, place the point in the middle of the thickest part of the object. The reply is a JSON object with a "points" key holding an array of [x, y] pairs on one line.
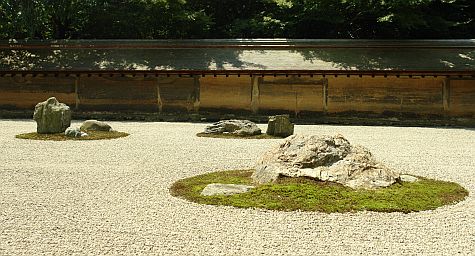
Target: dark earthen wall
{"points": [[24, 92], [442, 96], [226, 93], [379, 94], [295, 94], [461, 95], [117, 93]]}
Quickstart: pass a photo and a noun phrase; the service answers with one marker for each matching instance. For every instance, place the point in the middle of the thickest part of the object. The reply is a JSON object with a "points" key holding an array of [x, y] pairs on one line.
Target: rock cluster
{"points": [[325, 158], [280, 126], [238, 127], [51, 116]]}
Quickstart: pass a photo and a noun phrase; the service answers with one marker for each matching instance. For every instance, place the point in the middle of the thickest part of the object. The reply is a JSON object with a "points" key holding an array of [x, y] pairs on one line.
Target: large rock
{"points": [[224, 189], [280, 126], [51, 116], [94, 125], [239, 127], [326, 158]]}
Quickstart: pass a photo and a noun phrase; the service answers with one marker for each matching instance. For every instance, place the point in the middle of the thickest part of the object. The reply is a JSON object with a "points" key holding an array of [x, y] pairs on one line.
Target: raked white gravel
{"points": [[112, 196]]}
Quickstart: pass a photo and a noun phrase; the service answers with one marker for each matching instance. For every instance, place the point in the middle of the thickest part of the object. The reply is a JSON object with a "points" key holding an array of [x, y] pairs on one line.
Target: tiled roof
{"points": [[239, 55]]}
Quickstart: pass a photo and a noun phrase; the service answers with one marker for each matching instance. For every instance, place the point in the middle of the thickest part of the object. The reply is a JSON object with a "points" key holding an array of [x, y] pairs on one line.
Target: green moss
{"points": [[236, 136], [92, 135], [311, 195]]}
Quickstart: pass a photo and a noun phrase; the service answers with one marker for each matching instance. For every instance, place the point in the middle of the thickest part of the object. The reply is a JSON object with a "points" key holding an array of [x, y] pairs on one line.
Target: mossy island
{"points": [[323, 174], [53, 121]]}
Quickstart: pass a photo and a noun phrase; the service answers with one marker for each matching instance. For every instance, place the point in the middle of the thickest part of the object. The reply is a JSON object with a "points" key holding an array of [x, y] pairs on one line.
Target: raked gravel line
{"points": [[111, 197]]}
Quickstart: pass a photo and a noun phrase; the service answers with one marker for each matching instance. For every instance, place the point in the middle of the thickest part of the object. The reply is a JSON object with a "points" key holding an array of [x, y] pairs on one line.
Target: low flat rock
{"points": [[326, 158], [74, 132], [224, 189], [94, 125], [408, 178], [239, 127]]}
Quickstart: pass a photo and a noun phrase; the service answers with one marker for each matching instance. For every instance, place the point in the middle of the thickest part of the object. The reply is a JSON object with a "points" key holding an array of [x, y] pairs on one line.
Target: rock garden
{"points": [[53, 121], [304, 172], [149, 194]]}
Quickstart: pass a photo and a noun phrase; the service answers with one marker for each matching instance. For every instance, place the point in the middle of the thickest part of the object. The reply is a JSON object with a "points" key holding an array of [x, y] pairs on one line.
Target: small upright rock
{"points": [[94, 125], [280, 126], [51, 116], [239, 127]]}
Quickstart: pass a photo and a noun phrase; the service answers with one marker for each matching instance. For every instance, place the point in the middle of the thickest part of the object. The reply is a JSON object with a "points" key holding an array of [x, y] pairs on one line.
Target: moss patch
{"points": [[236, 136], [93, 135], [311, 195]]}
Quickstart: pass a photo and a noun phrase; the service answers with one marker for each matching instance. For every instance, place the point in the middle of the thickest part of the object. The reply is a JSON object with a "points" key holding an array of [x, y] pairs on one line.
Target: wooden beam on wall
{"points": [[159, 98], [446, 94], [196, 94], [325, 95], [76, 92], [255, 81]]}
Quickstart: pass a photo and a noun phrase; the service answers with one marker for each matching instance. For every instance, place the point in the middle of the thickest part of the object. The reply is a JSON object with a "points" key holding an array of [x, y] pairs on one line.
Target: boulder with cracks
{"points": [[325, 158]]}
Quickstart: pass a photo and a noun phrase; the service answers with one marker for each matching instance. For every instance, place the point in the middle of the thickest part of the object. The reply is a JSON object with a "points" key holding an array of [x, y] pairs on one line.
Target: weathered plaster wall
{"points": [[379, 94], [440, 96]]}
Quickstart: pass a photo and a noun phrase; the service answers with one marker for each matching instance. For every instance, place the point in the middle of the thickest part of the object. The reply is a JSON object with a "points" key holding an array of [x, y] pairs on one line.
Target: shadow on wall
{"points": [[393, 58], [123, 59], [437, 59]]}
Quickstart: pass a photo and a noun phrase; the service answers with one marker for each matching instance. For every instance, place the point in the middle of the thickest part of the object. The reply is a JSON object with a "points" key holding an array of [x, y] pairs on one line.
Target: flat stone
{"points": [[408, 178], [224, 189], [280, 126], [51, 116], [239, 127], [326, 158], [94, 125]]}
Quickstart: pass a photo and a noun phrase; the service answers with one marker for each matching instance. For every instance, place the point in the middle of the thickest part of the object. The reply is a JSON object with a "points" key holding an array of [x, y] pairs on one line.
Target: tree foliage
{"points": [[150, 19]]}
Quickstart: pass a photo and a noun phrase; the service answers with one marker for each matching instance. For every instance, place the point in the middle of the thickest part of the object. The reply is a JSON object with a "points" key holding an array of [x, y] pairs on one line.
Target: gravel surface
{"points": [[112, 197]]}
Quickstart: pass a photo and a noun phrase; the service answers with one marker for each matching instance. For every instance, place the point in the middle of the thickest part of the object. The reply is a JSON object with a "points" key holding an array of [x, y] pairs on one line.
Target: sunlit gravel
{"points": [[112, 196]]}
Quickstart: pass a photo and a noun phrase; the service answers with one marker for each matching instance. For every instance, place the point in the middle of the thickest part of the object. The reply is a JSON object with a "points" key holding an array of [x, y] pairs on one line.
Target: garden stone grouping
{"points": [[52, 117]]}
